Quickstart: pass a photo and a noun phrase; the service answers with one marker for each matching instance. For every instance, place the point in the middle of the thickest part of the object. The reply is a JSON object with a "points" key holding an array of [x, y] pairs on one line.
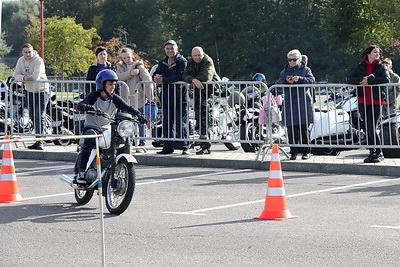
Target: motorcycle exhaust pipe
{"points": [[66, 179]]}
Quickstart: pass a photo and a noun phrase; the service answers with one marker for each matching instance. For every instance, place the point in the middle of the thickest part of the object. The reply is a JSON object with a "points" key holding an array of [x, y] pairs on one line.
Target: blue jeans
{"points": [[37, 103], [142, 131]]}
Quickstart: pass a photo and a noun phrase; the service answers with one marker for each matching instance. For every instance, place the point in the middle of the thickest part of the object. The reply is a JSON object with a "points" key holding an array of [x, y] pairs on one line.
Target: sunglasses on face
{"points": [[292, 59]]}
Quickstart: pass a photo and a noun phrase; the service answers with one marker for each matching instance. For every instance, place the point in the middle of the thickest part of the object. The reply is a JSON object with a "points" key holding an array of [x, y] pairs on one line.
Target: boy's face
{"points": [[110, 86]]}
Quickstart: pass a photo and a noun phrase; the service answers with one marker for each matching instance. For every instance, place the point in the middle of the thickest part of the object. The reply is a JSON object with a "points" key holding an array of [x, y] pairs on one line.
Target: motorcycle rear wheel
{"points": [[391, 137], [248, 131], [119, 198], [233, 145], [83, 196]]}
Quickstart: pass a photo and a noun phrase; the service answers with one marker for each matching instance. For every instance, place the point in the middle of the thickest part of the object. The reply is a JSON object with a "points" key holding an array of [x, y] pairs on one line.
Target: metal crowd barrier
{"points": [[18, 108], [239, 114]]}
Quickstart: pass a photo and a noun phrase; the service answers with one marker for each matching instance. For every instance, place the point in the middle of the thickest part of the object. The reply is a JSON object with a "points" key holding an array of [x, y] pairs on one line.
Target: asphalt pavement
{"points": [[347, 162]]}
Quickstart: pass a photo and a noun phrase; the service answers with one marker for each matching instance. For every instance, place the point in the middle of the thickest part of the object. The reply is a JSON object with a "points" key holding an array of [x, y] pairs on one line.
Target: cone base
{"points": [[275, 219], [280, 215], [11, 198]]}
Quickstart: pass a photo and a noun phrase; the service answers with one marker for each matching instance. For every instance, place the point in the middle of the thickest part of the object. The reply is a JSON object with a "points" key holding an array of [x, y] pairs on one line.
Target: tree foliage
{"points": [[243, 36], [68, 46], [15, 16], [358, 23]]}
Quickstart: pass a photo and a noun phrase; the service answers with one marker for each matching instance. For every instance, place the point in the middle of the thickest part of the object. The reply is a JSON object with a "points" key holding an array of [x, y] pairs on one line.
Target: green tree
{"points": [[353, 25], [15, 16], [4, 50], [68, 46], [86, 12]]}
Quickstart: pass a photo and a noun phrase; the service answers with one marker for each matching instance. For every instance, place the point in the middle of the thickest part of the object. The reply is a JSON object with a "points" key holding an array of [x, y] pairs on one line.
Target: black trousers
{"points": [[371, 115], [298, 134]]}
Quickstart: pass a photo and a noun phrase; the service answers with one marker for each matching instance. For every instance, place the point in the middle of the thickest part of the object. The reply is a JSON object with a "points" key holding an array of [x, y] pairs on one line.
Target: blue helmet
{"points": [[103, 76], [259, 77]]}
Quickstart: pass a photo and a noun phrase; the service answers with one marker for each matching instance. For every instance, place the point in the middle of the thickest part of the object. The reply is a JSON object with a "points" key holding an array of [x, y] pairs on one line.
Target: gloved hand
{"points": [[89, 108], [142, 118]]}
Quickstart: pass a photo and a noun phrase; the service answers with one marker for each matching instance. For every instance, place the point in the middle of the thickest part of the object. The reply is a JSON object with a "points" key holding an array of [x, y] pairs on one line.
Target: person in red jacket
{"points": [[370, 71]]}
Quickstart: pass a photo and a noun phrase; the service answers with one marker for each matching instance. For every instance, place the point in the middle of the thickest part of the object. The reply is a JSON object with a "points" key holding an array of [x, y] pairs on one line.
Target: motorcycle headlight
{"points": [[125, 128]]}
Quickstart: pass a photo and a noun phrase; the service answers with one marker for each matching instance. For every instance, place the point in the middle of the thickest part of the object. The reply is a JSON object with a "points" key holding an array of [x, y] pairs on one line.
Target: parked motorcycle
{"points": [[117, 166], [221, 118], [390, 128], [66, 119], [16, 117], [248, 102]]}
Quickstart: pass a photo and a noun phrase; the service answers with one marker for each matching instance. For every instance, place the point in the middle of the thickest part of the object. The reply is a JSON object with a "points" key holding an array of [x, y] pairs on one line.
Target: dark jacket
{"points": [[91, 76], [380, 75], [173, 74], [203, 71], [298, 107]]}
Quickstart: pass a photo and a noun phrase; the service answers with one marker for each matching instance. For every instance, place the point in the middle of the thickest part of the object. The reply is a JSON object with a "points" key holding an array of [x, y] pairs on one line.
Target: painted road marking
{"points": [[383, 226], [144, 183], [198, 212]]}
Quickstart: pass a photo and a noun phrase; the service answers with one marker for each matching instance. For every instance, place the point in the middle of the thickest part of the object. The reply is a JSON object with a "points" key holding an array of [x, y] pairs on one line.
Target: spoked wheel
{"points": [[248, 132], [119, 197], [83, 196], [66, 142]]}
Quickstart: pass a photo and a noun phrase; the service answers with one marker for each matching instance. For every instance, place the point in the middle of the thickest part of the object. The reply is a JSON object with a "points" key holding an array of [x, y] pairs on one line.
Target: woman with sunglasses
{"points": [[298, 111]]}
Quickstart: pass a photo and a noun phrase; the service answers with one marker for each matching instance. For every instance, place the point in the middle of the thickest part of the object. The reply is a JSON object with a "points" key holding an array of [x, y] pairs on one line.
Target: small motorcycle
{"points": [[117, 166]]}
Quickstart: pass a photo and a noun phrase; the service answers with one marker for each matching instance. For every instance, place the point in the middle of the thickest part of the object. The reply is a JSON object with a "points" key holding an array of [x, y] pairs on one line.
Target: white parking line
{"points": [[198, 212], [193, 176], [144, 183], [23, 173], [383, 226]]}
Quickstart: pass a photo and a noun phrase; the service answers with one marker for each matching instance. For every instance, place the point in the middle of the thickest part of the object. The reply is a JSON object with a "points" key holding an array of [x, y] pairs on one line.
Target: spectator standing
{"points": [[394, 91], [370, 71], [174, 98], [133, 71], [101, 64], [200, 68], [30, 67], [304, 59], [298, 111]]}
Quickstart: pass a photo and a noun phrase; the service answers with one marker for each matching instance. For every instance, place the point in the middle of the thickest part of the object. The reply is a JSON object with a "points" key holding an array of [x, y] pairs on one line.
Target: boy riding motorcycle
{"points": [[104, 100]]}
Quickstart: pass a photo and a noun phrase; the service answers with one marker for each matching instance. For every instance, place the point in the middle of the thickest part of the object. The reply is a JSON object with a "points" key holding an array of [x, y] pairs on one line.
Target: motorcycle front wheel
{"points": [[248, 131], [119, 197]]}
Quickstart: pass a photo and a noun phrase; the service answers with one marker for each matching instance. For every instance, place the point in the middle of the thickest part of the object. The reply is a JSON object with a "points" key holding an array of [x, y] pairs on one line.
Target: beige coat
{"points": [[145, 92], [34, 68]]}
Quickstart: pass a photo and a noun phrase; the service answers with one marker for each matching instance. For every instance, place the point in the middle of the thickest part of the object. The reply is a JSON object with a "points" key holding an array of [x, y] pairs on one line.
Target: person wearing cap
{"points": [[174, 98], [101, 64], [200, 68], [393, 91]]}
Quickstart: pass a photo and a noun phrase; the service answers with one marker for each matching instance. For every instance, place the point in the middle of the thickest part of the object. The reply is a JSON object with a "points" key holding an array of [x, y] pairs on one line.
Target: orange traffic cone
{"points": [[275, 207], [8, 179]]}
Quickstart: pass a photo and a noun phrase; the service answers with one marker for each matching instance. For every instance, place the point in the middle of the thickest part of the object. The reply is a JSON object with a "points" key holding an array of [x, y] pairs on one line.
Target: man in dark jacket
{"points": [[200, 69], [174, 98]]}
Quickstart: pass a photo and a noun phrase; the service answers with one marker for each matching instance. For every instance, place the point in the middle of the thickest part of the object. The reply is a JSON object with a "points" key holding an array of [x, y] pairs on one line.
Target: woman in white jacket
{"points": [[30, 67], [133, 71]]}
